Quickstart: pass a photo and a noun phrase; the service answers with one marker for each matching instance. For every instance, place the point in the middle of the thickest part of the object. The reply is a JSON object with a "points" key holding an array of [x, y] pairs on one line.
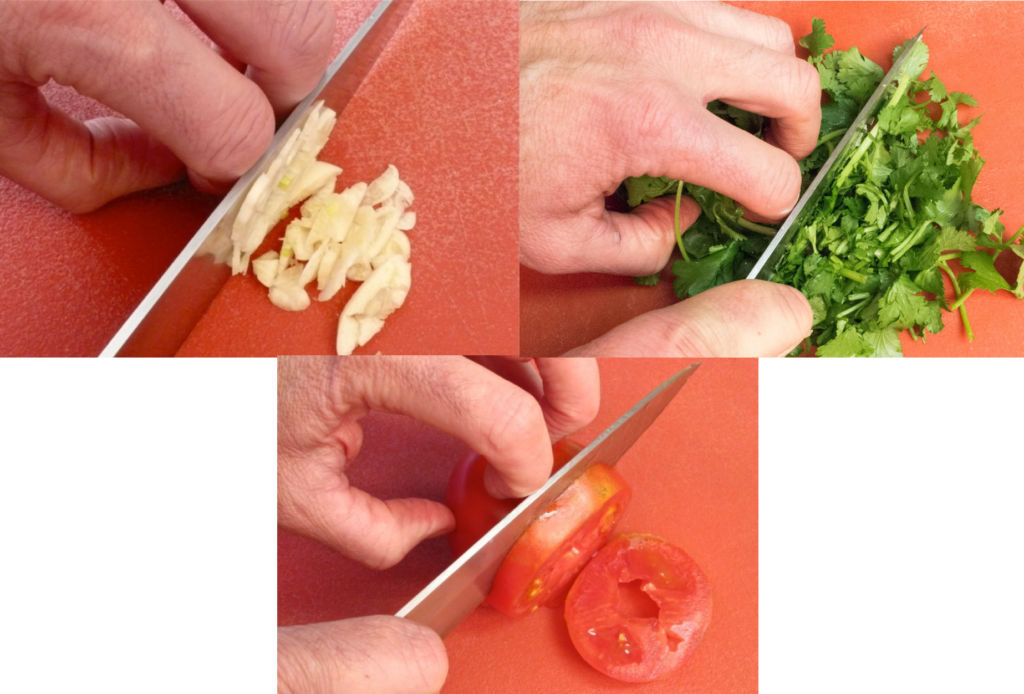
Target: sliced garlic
{"points": [[360, 235], [407, 221], [403, 196], [383, 187], [361, 268], [323, 273], [265, 268], [383, 291], [398, 245], [318, 178], [267, 201], [287, 292]]}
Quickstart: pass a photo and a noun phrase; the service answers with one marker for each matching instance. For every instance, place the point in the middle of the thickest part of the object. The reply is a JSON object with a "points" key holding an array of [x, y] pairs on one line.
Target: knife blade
{"points": [[854, 136], [460, 588], [164, 318]]}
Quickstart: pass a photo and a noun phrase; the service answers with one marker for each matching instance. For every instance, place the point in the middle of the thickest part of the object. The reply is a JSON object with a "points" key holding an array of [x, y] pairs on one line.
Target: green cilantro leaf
{"points": [[848, 343], [694, 276], [818, 41], [902, 307], [643, 189], [884, 342], [985, 275]]}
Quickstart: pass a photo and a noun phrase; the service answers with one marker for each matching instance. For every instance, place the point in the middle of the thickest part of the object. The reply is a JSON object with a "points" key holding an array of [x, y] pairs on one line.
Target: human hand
{"points": [[750, 318], [189, 105], [502, 408], [612, 90], [367, 655]]}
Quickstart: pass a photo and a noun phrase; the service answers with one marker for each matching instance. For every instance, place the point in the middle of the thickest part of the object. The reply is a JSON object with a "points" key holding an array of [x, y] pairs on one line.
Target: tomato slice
{"points": [[475, 510], [617, 629], [554, 548]]}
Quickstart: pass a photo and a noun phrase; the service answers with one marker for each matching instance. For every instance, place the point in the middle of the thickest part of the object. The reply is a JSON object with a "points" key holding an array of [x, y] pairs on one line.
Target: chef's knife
{"points": [[801, 214], [450, 597], [167, 314]]}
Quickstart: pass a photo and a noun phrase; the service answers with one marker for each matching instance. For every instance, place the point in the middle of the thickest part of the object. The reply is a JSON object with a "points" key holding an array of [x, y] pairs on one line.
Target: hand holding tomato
{"points": [[511, 419]]}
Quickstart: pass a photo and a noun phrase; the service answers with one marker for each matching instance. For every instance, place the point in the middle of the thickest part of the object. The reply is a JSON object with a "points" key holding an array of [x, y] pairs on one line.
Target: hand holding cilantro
{"points": [[612, 90], [898, 219]]}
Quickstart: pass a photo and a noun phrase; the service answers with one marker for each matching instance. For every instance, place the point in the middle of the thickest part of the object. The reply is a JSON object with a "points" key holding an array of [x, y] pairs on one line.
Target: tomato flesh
{"points": [[623, 639], [475, 510], [554, 548]]}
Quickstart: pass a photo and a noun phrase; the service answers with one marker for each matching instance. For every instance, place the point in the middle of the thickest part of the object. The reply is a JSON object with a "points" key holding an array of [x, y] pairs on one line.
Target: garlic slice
{"points": [[265, 268], [383, 291], [268, 199], [360, 235], [287, 292], [383, 187], [407, 221]]}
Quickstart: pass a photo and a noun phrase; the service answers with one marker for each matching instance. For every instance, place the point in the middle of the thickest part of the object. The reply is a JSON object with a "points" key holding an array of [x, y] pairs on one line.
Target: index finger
{"points": [[169, 82], [286, 45], [784, 88], [497, 419]]}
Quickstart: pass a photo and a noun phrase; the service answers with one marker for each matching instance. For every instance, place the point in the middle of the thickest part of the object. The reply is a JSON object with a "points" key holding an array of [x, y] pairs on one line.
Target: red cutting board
{"points": [[694, 479], [975, 48], [441, 104]]}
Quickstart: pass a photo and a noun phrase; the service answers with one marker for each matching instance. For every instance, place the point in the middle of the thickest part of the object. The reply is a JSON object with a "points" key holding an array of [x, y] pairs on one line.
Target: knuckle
{"points": [[651, 112], [305, 34], [692, 339], [238, 134], [779, 184], [517, 417], [803, 85], [582, 411], [778, 35]]}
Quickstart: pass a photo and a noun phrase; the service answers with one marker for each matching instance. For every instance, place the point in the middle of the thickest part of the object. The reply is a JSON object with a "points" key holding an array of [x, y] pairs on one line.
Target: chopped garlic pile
{"points": [[357, 234]]}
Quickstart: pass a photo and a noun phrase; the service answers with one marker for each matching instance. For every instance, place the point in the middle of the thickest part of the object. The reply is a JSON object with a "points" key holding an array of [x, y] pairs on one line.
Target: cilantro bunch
{"points": [[871, 258]]}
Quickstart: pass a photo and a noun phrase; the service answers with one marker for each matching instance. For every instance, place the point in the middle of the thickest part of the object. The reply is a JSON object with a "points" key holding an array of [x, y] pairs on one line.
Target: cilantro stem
{"points": [[950, 256], [728, 230], [855, 307], [857, 154], [906, 198], [961, 299], [759, 228], [679, 234], [1014, 237], [831, 136], [910, 241], [901, 89], [956, 290], [855, 276]]}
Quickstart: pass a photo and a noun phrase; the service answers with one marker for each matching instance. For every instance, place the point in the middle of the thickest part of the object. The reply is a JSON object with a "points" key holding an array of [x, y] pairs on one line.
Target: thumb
{"points": [[378, 655], [749, 318], [372, 531]]}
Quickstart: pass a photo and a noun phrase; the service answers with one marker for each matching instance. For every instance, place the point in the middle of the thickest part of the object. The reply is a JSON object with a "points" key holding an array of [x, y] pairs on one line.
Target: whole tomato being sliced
{"points": [[638, 609], [554, 548]]}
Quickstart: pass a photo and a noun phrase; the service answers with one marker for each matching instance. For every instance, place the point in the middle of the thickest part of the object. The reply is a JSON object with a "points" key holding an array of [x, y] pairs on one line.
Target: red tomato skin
{"points": [[475, 510], [554, 548], [638, 649]]}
